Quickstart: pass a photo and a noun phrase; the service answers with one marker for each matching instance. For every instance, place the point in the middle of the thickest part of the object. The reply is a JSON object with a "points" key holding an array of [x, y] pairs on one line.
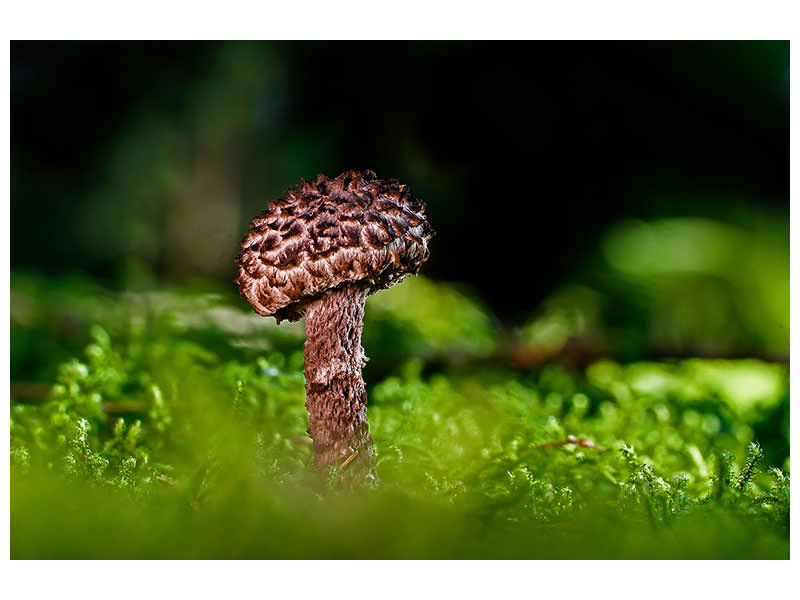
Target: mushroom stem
{"points": [[336, 397]]}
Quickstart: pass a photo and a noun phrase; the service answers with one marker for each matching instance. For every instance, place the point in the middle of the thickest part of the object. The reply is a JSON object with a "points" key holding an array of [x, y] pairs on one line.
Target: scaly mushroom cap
{"points": [[355, 229]]}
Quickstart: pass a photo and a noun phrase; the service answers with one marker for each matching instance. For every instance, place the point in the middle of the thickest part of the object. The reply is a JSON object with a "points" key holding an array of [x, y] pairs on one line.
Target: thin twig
{"points": [[300, 440], [349, 458], [30, 391], [571, 439]]}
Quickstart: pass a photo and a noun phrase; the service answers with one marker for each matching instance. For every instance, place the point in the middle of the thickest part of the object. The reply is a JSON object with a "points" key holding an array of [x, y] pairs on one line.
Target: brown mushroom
{"points": [[318, 252]]}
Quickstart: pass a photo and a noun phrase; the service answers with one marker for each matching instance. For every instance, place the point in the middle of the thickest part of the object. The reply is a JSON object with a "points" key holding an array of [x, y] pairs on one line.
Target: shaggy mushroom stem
{"points": [[336, 397]]}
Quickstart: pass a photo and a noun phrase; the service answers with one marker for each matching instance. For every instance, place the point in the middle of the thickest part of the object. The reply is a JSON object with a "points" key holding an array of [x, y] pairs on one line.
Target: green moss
{"points": [[179, 432]]}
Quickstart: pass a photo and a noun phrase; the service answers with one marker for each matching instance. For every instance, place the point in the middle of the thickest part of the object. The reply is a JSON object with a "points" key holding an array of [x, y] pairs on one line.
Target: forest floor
{"points": [[171, 424]]}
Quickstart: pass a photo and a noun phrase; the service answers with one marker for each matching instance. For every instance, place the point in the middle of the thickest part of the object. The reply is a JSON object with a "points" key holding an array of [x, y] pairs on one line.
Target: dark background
{"points": [[142, 162]]}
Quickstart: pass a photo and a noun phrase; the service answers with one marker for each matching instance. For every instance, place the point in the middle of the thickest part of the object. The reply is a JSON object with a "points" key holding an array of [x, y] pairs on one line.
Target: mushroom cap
{"points": [[355, 229]]}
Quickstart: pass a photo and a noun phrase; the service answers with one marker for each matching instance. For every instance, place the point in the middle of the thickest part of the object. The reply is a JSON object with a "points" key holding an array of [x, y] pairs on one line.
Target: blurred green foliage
{"points": [[707, 283], [170, 424], [681, 286]]}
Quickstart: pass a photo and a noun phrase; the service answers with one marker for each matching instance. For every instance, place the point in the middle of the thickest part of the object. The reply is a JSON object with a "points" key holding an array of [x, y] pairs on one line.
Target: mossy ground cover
{"points": [[170, 424]]}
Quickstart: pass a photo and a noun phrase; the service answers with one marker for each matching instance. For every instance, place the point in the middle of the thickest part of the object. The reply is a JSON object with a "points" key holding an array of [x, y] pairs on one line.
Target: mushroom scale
{"points": [[354, 229]]}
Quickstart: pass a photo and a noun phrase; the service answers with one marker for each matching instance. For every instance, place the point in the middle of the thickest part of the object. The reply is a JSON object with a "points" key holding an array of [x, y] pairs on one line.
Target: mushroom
{"points": [[318, 252]]}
